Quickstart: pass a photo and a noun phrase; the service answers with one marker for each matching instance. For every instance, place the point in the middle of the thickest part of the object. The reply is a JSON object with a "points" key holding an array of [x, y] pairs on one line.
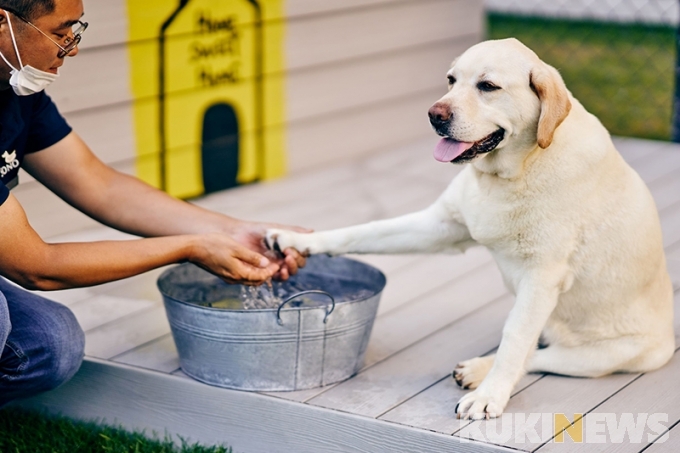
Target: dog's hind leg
{"points": [[627, 354]]}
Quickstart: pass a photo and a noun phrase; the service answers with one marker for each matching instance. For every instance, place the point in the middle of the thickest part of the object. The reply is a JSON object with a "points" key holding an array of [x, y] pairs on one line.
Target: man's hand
{"points": [[34, 264], [251, 235], [233, 262]]}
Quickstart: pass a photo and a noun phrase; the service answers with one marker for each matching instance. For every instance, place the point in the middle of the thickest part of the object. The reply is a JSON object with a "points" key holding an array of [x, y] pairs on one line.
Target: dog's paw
{"points": [[478, 405], [470, 373], [279, 240]]}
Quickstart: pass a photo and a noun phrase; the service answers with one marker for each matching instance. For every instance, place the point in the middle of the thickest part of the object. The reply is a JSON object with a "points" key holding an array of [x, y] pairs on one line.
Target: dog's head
{"points": [[501, 96]]}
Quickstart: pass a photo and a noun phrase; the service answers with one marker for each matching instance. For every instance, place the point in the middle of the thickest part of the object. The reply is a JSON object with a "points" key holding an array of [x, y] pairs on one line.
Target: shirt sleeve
{"points": [[4, 193], [47, 125]]}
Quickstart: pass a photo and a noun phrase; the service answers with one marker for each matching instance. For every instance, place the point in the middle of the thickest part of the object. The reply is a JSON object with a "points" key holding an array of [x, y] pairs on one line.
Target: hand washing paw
{"points": [[279, 240]]}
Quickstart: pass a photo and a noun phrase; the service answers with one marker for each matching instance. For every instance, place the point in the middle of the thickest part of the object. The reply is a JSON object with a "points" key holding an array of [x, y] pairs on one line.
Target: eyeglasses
{"points": [[70, 43]]}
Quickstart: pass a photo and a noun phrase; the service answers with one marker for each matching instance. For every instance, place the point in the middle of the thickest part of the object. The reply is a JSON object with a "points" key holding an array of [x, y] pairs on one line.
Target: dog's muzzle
{"points": [[440, 118], [483, 146]]}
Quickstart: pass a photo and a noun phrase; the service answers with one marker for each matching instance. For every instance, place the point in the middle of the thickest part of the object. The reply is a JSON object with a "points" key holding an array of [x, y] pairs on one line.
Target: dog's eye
{"points": [[487, 86], [451, 79]]}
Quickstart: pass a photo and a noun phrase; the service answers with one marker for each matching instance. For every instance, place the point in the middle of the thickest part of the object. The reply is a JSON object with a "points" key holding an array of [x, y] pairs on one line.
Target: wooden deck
{"points": [[435, 311]]}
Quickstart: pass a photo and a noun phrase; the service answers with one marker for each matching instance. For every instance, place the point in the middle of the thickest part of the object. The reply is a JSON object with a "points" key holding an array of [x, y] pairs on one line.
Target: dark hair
{"points": [[28, 9]]}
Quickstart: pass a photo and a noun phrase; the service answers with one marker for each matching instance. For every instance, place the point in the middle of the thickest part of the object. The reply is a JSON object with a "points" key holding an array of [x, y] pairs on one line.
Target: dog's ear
{"points": [[555, 105]]}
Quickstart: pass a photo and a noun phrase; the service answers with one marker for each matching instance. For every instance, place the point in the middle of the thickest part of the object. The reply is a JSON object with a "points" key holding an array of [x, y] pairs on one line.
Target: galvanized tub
{"points": [[289, 347]]}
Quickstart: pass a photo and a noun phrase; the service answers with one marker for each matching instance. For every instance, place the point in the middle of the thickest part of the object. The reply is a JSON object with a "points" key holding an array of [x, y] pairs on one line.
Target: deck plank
{"points": [[664, 163], [102, 309], [433, 409], [139, 287], [652, 393], [666, 192], [368, 176], [313, 209], [248, 422], [159, 354], [667, 443], [388, 264], [673, 265], [670, 226], [126, 333], [411, 323], [67, 297], [429, 274], [673, 253], [633, 149], [407, 373]]}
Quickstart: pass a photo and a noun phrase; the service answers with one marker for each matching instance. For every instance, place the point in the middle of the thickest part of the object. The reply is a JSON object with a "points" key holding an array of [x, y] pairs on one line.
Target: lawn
{"points": [[27, 432], [622, 73]]}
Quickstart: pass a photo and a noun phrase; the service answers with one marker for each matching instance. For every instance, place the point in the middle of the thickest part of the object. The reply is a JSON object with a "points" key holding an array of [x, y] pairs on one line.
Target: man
{"points": [[41, 344]]}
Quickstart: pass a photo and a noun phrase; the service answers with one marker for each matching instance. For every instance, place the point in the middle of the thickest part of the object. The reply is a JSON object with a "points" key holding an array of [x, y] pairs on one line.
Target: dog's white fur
{"points": [[572, 227]]}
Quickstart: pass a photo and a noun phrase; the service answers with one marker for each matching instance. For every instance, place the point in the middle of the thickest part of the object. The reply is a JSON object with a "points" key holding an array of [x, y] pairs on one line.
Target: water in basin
{"points": [[201, 288]]}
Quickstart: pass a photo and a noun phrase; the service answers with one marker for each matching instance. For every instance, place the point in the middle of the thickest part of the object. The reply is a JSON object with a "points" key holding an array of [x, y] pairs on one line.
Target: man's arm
{"points": [[34, 264], [72, 171]]}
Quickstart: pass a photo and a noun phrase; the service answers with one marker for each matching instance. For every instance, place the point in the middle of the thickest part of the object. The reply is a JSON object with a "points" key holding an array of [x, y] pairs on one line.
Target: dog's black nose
{"points": [[440, 114]]}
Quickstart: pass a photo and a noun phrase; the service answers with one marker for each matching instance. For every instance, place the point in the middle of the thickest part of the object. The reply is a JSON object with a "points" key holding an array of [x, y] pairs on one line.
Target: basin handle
{"points": [[302, 293]]}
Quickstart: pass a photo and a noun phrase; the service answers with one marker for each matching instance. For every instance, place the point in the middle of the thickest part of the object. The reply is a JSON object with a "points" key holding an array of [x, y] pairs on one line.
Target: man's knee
{"points": [[64, 343]]}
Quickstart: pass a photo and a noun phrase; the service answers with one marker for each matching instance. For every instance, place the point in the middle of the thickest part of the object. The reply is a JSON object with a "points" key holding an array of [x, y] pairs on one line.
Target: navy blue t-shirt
{"points": [[27, 124]]}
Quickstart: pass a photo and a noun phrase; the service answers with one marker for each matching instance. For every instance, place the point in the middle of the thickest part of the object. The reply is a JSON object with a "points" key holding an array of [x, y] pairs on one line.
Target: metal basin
{"points": [[299, 344]]}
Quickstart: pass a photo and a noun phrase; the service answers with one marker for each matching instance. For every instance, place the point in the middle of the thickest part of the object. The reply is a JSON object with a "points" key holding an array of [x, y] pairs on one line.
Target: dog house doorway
{"points": [[220, 148]]}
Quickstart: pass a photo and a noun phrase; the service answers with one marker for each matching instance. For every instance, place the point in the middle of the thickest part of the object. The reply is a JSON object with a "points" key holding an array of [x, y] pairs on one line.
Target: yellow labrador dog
{"points": [[572, 227]]}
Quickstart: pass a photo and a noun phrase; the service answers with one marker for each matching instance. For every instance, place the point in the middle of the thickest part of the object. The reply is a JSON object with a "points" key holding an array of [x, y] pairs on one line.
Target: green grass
{"points": [[622, 73], [30, 432]]}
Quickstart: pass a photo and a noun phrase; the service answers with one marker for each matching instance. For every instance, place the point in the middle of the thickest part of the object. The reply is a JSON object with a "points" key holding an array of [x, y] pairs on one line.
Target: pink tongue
{"points": [[448, 149]]}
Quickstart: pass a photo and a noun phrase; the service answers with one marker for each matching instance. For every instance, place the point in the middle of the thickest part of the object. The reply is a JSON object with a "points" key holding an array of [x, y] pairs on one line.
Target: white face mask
{"points": [[27, 80]]}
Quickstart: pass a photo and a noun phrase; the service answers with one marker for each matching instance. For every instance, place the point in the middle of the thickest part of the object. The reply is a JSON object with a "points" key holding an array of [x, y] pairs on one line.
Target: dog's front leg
{"points": [[536, 300], [431, 230]]}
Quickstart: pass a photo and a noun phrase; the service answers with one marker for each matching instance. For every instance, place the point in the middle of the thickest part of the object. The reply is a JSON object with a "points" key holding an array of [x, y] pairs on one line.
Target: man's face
{"points": [[35, 49]]}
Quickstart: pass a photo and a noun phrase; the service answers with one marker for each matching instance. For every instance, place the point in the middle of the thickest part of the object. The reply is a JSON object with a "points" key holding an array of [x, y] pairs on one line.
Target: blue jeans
{"points": [[41, 344]]}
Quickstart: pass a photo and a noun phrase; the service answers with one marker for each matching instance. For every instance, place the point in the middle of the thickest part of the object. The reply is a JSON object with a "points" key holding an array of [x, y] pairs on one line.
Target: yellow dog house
{"points": [[203, 101]]}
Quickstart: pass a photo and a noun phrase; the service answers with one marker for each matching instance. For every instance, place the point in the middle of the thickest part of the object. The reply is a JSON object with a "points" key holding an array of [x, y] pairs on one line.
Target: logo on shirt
{"points": [[11, 162]]}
